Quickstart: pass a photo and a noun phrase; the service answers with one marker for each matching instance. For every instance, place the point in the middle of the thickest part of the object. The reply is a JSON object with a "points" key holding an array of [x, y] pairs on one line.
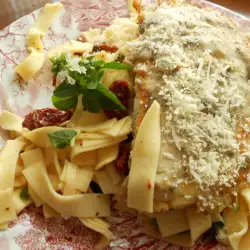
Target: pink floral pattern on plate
{"points": [[31, 231]]}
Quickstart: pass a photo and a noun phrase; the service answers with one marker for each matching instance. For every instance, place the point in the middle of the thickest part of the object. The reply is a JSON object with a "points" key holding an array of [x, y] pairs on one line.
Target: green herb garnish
{"points": [[62, 139], [86, 75], [64, 103], [59, 64], [24, 194], [212, 232]]}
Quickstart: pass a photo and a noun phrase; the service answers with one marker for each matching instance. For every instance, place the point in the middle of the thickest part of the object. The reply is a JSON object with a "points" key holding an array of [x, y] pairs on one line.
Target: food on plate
{"points": [[151, 117], [195, 64], [31, 65]]}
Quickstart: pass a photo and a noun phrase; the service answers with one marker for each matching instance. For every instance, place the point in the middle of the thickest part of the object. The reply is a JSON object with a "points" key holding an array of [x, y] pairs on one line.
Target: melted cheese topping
{"points": [[197, 64]]}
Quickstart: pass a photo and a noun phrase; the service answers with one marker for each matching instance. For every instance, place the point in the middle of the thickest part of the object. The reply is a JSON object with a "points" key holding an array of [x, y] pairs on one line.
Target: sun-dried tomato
{"points": [[54, 81], [105, 47], [45, 117], [82, 39], [121, 162], [121, 90]]}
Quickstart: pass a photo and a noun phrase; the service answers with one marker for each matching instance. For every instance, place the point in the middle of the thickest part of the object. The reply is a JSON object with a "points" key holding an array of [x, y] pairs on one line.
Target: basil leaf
{"points": [[61, 139], [90, 58], [96, 80], [95, 95], [59, 64], [64, 103], [117, 65], [108, 99], [24, 194], [66, 90], [100, 75], [97, 63], [212, 232], [91, 101]]}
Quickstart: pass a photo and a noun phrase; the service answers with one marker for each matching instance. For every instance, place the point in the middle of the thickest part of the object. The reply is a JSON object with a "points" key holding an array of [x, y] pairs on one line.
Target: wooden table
{"points": [[242, 6]]}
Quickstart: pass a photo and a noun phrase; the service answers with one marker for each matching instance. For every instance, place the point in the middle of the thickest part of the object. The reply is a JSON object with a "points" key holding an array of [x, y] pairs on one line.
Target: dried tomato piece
{"points": [[121, 163], [54, 81], [106, 47], [121, 90], [45, 117], [82, 39]]}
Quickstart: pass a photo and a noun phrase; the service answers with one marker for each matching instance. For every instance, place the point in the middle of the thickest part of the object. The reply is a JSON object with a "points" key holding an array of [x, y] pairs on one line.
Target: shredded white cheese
{"points": [[199, 75]]}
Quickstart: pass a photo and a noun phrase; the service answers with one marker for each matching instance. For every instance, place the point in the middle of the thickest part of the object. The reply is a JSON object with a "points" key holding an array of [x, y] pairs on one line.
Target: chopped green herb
{"points": [[62, 139], [59, 64], [24, 194], [87, 75], [212, 232]]}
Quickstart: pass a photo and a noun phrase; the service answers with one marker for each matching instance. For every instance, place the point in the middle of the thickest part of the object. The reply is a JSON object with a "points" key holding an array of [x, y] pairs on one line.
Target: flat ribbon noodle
{"points": [[8, 161], [117, 127], [105, 182], [236, 224], [199, 223], [168, 225], [90, 145], [49, 212], [41, 26], [32, 157], [106, 155], [101, 227], [10, 121], [75, 205], [245, 241], [37, 200], [145, 161], [182, 239], [30, 66], [7, 208], [114, 175], [71, 47], [20, 203]]}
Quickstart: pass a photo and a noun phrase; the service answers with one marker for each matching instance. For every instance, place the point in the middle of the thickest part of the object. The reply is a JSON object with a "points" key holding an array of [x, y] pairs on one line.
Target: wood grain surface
{"points": [[242, 6]]}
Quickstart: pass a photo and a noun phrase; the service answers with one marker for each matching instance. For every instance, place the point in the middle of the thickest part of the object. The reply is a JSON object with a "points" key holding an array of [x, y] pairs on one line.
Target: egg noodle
{"points": [[187, 180]]}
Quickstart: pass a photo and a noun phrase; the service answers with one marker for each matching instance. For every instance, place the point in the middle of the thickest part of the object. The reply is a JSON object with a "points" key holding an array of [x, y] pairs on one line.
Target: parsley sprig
{"points": [[24, 194], [87, 75]]}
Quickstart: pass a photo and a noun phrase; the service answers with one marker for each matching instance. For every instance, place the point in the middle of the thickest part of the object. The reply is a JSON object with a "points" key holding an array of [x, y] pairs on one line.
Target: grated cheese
{"points": [[199, 76]]}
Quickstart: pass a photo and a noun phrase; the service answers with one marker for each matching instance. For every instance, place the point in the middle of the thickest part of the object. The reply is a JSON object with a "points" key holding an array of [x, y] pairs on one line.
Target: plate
{"points": [[31, 231]]}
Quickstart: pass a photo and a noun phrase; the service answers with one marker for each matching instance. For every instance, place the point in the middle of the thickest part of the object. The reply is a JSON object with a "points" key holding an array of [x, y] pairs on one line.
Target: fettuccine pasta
{"points": [[152, 118]]}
